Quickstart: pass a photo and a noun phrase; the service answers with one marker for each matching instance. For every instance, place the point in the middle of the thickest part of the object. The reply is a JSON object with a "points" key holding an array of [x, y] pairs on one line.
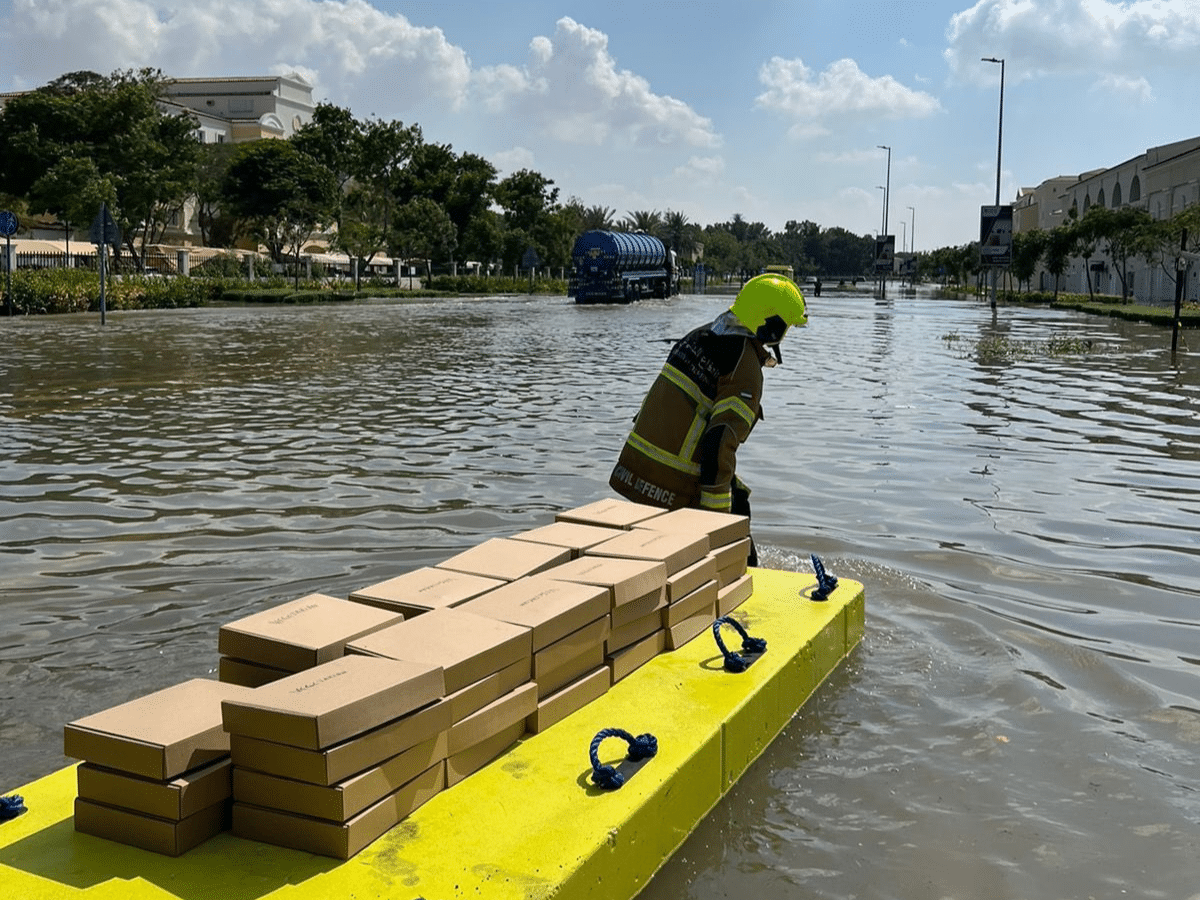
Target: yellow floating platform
{"points": [[529, 825]]}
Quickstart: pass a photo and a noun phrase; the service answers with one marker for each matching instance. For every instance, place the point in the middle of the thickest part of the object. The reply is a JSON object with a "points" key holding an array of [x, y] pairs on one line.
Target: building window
{"points": [[1116, 201], [1135, 189]]}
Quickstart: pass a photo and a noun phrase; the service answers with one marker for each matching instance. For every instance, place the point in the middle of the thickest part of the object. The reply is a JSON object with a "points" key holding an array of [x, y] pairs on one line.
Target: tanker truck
{"points": [[619, 267]]}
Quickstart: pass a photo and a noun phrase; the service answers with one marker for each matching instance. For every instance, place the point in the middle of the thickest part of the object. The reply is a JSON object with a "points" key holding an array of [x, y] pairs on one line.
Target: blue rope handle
{"points": [[11, 806], [825, 583], [734, 662], [644, 746]]}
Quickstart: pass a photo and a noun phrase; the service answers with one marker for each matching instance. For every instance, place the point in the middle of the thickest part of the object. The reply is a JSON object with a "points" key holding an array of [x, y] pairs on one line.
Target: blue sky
{"points": [[766, 108]]}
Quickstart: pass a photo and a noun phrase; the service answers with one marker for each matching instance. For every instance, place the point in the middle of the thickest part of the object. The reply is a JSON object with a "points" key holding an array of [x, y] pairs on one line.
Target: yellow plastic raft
{"points": [[529, 825]]}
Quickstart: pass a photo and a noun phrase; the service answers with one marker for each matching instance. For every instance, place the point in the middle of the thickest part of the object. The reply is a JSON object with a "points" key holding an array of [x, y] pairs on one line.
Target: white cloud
{"points": [[843, 92], [513, 160], [345, 47], [572, 90], [1126, 90], [1072, 37]]}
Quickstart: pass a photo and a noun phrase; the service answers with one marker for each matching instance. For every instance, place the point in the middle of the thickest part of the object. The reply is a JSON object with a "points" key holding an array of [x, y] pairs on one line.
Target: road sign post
{"points": [[8, 227], [104, 231]]}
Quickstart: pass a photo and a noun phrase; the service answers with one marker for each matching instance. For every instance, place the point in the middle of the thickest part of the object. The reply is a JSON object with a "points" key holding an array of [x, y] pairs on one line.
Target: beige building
{"points": [[1162, 181]]}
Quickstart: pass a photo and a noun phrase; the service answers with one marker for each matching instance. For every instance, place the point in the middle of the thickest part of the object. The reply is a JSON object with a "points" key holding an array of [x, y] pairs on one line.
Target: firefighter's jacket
{"points": [[702, 406]]}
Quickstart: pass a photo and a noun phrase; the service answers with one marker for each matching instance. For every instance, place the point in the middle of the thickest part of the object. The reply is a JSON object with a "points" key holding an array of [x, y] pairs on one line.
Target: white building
{"points": [[1162, 181]]}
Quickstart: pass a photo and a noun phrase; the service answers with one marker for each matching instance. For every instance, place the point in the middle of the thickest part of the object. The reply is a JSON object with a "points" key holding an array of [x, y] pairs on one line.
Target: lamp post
{"points": [[883, 217], [999, 146], [912, 230], [888, 188], [1000, 129]]}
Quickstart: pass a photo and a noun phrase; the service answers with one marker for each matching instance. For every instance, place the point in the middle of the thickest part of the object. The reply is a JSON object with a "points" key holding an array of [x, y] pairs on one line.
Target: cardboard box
{"points": [[566, 700], [339, 840], [733, 595], [721, 528], [177, 799], [626, 579], [159, 736], [574, 536], [610, 513], [550, 608], [348, 758], [683, 582], [498, 715], [471, 760], [506, 559], [569, 647], [475, 697], [704, 597], [465, 646], [691, 627], [633, 632], [329, 703], [628, 659], [636, 609], [421, 590], [166, 836], [730, 555], [301, 633], [550, 680], [344, 800], [247, 674], [731, 573], [677, 550]]}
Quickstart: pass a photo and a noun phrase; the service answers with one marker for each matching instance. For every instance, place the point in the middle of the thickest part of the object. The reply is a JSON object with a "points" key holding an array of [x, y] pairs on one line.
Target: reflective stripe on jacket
{"points": [[701, 407]]}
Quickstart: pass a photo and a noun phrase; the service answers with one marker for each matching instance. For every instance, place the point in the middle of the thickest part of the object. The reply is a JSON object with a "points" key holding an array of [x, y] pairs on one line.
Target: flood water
{"points": [[1022, 719]]}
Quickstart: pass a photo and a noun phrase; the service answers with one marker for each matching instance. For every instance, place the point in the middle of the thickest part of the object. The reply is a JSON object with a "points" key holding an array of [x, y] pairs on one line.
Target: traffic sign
{"points": [[8, 223], [530, 260], [995, 236], [104, 229]]}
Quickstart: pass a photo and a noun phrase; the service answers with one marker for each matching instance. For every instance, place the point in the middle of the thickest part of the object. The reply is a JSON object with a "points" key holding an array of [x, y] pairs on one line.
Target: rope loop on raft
{"points": [[825, 583], [644, 746], [11, 806], [735, 662]]}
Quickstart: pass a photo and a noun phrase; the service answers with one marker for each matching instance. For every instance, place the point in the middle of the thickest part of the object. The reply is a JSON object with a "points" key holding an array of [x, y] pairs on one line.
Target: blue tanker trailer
{"points": [[618, 267]]}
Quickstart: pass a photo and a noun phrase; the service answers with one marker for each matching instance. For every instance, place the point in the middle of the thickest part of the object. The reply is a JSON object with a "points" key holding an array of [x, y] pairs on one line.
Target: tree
{"points": [[141, 157], [280, 194], [644, 220], [1060, 244], [1027, 250], [334, 139], [216, 225], [423, 230], [527, 201]]}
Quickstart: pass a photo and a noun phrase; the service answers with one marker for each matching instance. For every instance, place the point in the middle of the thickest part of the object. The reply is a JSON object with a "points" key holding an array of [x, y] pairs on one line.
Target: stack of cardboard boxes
{"points": [[334, 719], [325, 713], [156, 773], [481, 658]]}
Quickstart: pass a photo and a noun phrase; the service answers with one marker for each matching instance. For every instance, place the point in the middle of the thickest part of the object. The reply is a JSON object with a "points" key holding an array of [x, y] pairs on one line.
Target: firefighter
{"points": [[683, 448]]}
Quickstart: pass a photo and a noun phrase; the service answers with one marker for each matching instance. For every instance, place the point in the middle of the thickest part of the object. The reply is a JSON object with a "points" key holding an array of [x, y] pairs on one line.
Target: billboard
{"points": [[995, 236]]}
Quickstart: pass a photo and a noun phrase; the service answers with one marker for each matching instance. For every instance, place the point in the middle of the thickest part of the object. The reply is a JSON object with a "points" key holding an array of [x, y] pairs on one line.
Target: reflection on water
{"points": [[1022, 719]]}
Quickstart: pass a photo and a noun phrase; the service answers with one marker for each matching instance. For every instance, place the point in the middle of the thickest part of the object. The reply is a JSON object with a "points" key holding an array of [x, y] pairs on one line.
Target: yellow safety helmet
{"points": [[767, 305]]}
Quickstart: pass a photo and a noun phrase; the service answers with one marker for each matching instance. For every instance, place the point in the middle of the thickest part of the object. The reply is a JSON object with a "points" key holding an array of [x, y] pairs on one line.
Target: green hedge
{"points": [[1103, 305]]}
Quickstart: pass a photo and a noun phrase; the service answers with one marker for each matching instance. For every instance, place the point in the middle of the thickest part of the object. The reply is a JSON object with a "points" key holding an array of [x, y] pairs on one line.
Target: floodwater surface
{"points": [[1019, 492]]}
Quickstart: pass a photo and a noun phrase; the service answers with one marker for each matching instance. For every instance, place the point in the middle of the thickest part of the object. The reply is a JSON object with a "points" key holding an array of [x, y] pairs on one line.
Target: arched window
{"points": [[1100, 198], [1087, 204], [1135, 189], [1116, 200]]}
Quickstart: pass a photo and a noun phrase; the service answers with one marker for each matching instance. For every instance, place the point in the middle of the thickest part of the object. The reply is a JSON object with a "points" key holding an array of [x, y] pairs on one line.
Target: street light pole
{"points": [[999, 147], [888, 189], [1000, 129], [912, 231], [883, 215]]}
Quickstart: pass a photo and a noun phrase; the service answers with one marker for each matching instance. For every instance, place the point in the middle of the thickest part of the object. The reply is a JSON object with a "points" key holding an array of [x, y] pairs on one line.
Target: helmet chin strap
{"points": [[770, 362]]}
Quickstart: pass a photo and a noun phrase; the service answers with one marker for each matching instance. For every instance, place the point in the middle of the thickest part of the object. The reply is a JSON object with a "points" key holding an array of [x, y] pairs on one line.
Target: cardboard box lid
{"points": [[160, 735], [721, 528], [466, 646], [610, 513], [626, 579], [301, 633], [166, 836], [424, 589], [704, 597], [506, 558], [498, 715], [334, 701], [676, 549], [549, 607], [575, 536], [683, 582], [175, 799], [347, 758], [732, 554]]}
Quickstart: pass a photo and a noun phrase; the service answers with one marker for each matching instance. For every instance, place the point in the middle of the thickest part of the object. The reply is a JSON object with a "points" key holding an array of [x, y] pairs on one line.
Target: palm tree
{"points": [[650, 222], [597, 218]]}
